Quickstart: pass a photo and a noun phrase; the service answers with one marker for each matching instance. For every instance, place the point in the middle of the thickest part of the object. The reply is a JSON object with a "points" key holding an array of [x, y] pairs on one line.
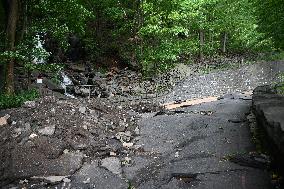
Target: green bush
{"points": [[280, 89], [13, 101], [277, 56]]}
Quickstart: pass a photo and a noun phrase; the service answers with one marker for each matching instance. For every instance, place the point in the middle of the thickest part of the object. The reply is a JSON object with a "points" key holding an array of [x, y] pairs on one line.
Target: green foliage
{"points": [[272, 56], [155, 34], [130, 186], [8, 55], [109, 34], [55, 18], [49, 68], [26, 52], [13, 101], [280, 89], [271, 20], [59, 18], [171, 30]]}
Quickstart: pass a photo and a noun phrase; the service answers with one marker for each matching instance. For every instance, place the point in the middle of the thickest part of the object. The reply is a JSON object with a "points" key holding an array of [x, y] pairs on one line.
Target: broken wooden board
{"points": [[173, 105]]}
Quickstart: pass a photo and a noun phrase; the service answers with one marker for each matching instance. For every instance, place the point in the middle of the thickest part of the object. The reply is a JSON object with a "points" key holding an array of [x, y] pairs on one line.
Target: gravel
{"points": [[229, 81]]}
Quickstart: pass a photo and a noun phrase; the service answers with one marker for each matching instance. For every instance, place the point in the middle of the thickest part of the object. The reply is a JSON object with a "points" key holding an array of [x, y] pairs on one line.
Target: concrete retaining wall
{"points": [[269, 110]]}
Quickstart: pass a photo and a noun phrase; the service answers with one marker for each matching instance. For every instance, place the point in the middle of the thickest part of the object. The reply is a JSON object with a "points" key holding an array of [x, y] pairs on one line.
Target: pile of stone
{"points": [[51, 139], [116, 82]]}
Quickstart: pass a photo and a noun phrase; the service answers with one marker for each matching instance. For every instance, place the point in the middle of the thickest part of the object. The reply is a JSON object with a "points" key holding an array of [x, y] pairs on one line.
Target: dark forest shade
{"points": [[2, 39], [2, 25], [2, 78]]}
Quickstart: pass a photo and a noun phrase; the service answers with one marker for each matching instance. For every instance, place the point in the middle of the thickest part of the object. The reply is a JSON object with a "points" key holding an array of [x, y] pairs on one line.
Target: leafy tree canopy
{"points": [[150, 34]]}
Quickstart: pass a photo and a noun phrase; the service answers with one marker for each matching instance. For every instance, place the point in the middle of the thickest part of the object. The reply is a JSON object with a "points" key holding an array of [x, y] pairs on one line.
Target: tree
{"points": [[270, 15], [154, 34], [184, 29], [47, 16], [2, 45], [11, 26]]}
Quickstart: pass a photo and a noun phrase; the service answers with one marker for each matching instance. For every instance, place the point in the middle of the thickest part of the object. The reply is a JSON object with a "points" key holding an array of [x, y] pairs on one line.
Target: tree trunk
{"points": [[3, 21], [24, 21], [29, 80], [224, 42], [2, 79], [201, 44], [24, 31], [10, 43], [211, 39], [139, 42]]}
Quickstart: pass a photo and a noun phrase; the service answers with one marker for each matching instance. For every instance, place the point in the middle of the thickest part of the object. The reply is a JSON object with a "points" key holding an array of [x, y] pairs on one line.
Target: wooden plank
{"points": [[173, 105]]}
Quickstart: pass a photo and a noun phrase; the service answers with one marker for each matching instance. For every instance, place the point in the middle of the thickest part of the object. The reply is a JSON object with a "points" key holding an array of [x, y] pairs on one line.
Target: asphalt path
{"points": [[192, 146]]}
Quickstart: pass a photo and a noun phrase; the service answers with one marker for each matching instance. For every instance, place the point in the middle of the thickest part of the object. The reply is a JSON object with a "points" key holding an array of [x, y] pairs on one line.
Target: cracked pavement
{"points": [[190, 150]]}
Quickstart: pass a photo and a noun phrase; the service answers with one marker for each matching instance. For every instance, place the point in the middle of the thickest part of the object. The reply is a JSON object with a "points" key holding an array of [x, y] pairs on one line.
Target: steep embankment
{"points": [[221, 82]]}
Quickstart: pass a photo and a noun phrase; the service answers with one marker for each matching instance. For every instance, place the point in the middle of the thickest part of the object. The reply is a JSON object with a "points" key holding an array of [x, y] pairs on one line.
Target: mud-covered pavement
{"points": [[76, 143]]}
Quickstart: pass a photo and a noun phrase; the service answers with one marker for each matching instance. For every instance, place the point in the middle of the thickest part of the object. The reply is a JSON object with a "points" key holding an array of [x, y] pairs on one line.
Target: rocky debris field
{"points": [[126, 83], [53, 140], [127, 139], [217, 83], [123, 83]]}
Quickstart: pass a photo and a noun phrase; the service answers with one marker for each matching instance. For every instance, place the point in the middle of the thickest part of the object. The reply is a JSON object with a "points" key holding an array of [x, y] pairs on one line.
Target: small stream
{"points": [[66, 81]]}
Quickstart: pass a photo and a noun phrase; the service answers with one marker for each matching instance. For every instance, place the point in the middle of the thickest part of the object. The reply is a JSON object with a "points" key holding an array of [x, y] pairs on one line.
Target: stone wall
{"points": [[269, 110]]}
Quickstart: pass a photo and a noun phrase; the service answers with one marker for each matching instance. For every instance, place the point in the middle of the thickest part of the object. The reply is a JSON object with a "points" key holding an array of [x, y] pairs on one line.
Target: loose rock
{"points": [[4, 120], [66, 180], [33, 135], [127, 145], [29, 104], [82, 110], [112, 164], [47, 130], [51, 179]]}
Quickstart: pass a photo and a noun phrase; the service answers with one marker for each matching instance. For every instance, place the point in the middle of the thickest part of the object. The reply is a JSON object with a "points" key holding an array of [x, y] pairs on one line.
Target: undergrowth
{"points": [[16, 100], [272, 56]]}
